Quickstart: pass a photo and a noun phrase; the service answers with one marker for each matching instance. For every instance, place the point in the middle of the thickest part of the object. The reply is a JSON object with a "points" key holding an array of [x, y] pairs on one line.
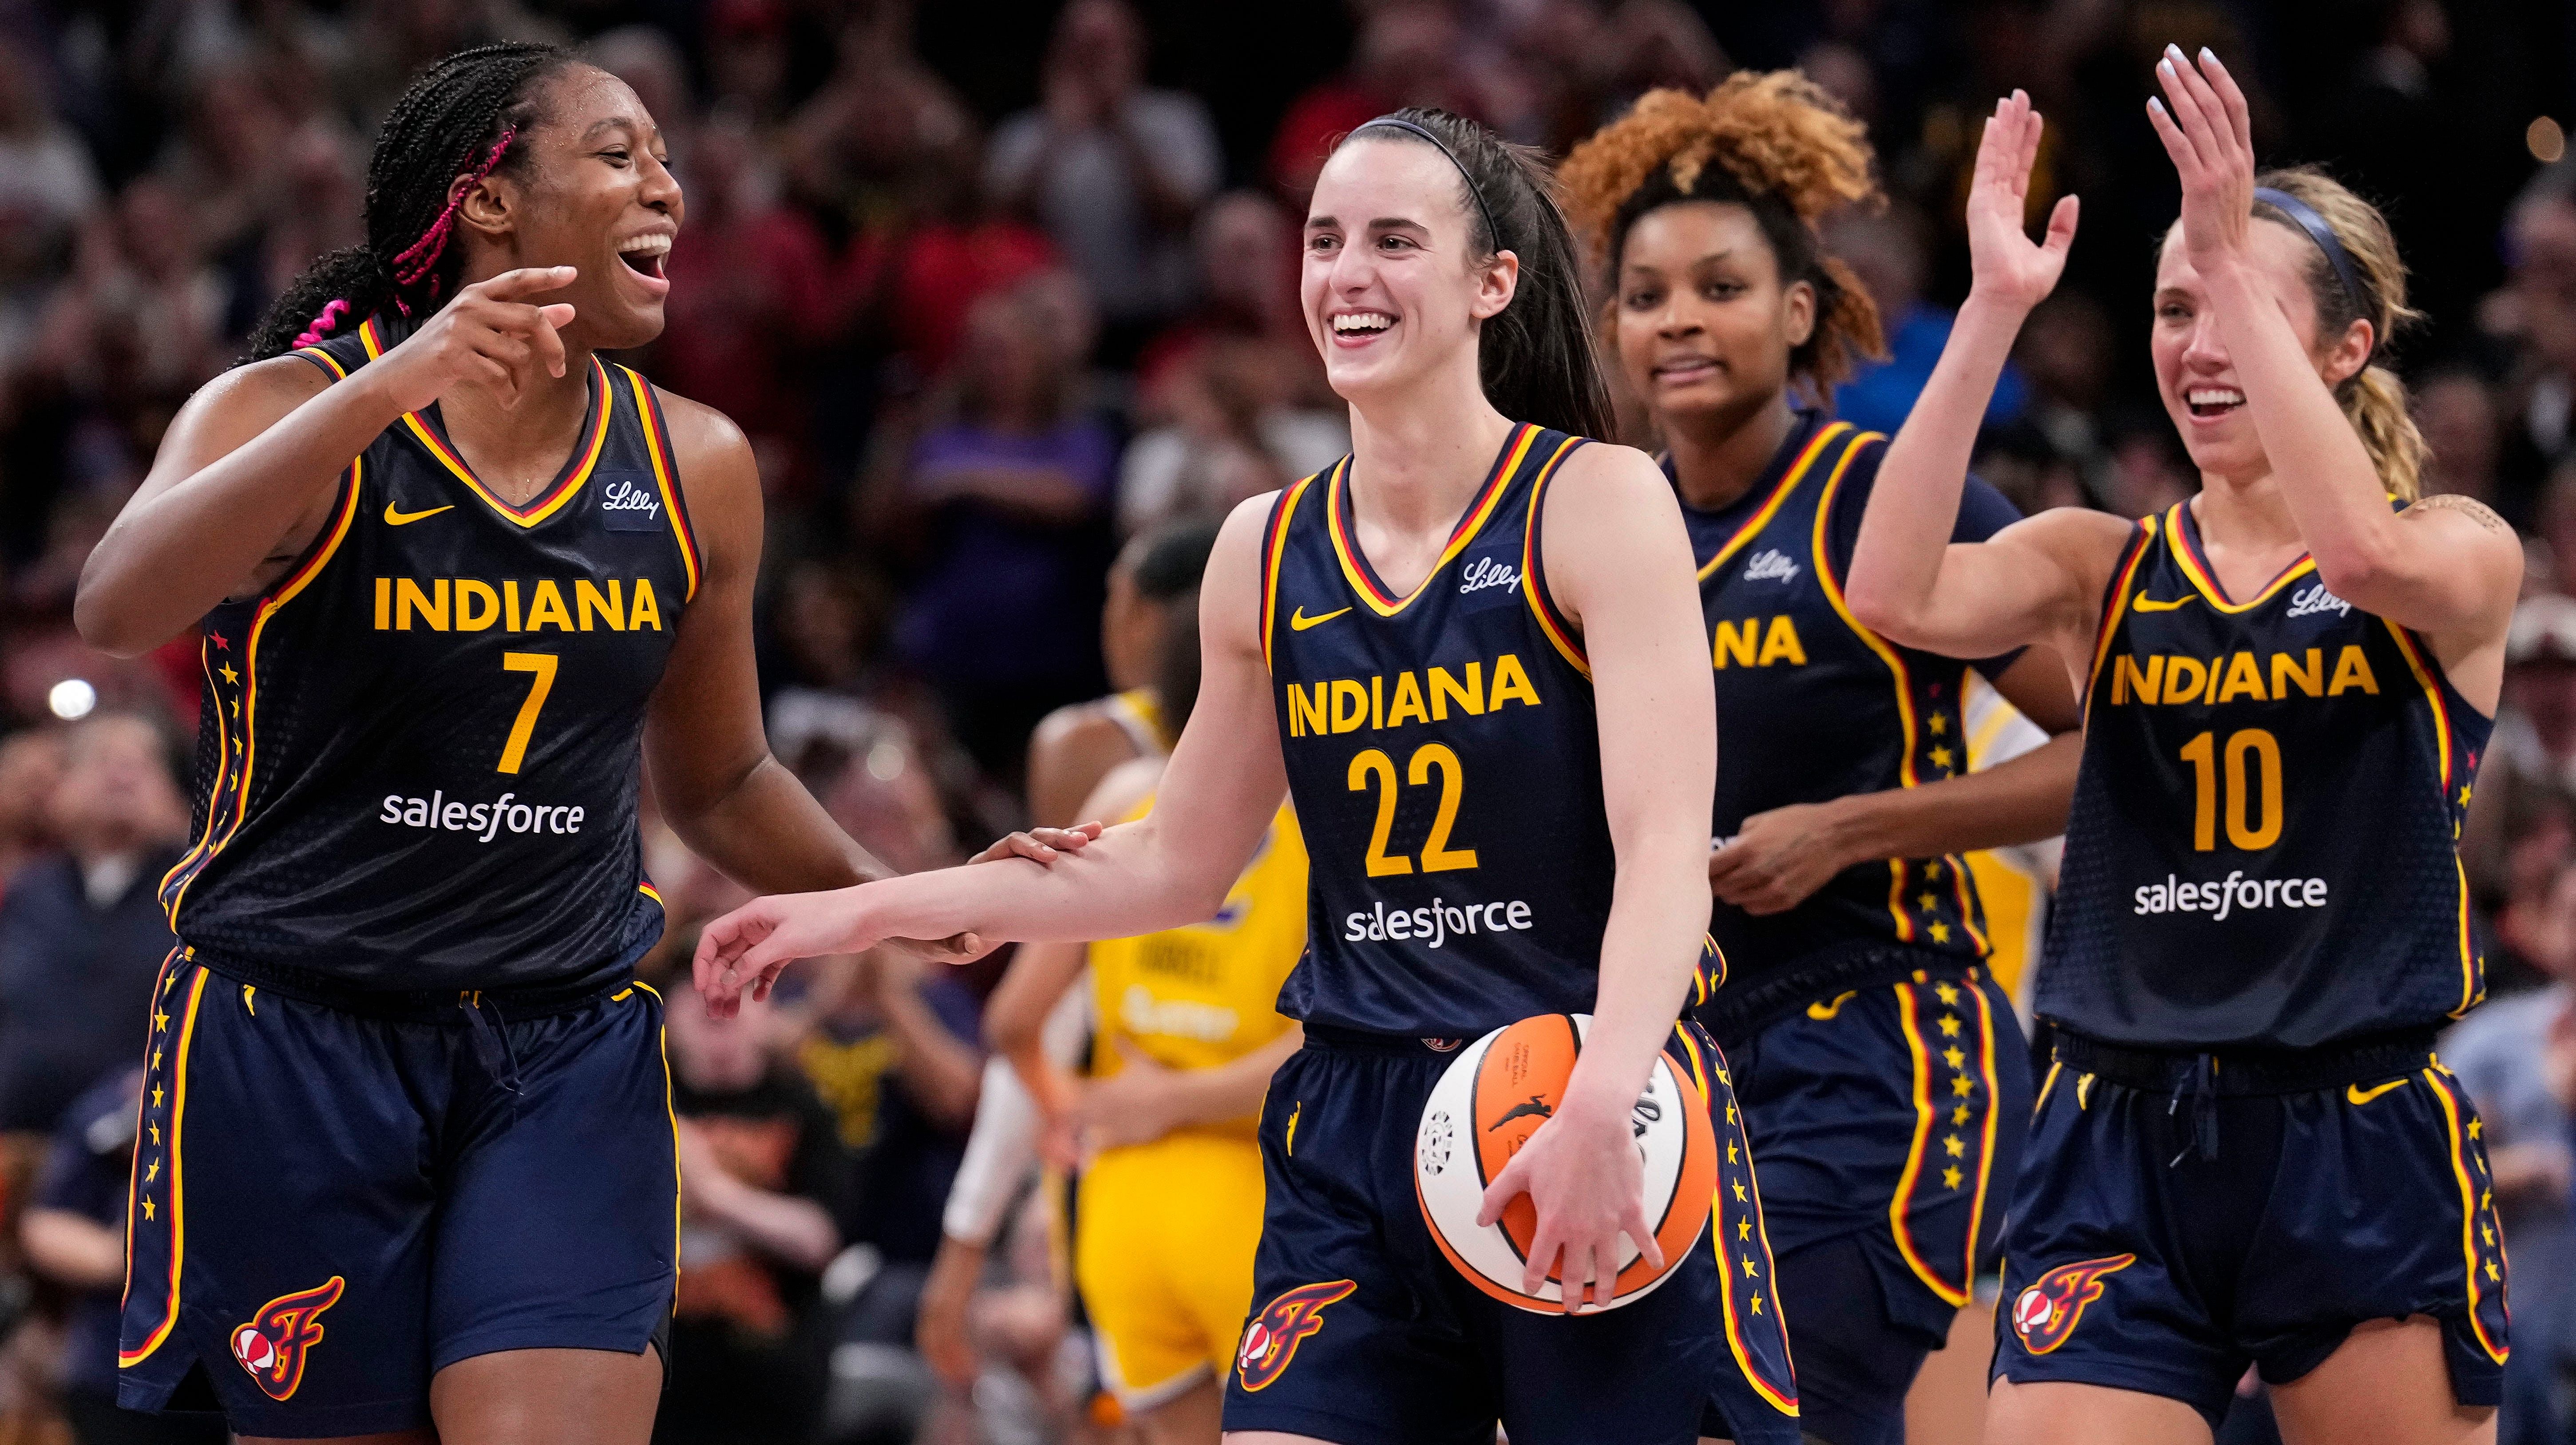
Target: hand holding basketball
{"points": [[1584, 1178], [2004, 263]]}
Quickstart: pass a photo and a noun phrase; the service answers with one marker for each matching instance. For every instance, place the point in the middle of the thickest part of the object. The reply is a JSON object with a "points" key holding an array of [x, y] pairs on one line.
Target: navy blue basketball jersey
{"points": [[419, 748], [1813, 706], [1445, 760], [2264, 846]]}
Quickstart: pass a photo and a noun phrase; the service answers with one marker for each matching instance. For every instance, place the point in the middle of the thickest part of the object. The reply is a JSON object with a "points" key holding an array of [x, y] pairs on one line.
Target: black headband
{"points": [[2305, 217], [1442, 146]]}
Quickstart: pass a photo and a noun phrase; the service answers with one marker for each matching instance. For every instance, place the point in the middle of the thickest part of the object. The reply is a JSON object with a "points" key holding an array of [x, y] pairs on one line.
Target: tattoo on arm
{"points": [[2469, 507]]}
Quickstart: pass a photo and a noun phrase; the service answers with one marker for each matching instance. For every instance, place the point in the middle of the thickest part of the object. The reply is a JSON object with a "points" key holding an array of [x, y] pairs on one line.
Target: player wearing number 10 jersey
{"points": [[2245, 1152], [406, 1162]]}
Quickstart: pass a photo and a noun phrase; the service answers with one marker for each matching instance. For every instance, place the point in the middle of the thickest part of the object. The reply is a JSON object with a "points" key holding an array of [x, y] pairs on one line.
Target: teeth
{"points": [[646, 246], [1362, 321], [2214, 397]]}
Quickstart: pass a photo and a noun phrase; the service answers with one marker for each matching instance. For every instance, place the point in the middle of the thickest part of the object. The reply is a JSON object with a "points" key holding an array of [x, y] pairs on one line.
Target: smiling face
{"points": [[1391, 288], [2194, 373], [1705, 329], [595, 192]]}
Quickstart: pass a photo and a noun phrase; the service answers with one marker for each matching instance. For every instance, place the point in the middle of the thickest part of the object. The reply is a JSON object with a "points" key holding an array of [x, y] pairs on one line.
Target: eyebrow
{"points": [[1382, 223], [614, 122]]}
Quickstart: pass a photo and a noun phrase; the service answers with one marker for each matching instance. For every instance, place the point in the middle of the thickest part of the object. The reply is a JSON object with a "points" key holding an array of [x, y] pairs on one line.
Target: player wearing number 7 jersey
{"points": [[2245, 1152], [406, 1159]]}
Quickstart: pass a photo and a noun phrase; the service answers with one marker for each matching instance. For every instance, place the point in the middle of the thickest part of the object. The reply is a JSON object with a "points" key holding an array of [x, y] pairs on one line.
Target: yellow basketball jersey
{"points": [[1197, 997], [1139, 711]]}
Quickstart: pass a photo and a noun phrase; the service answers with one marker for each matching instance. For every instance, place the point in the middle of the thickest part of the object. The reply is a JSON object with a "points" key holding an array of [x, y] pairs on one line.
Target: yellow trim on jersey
{"points": [[2422, 667], [1926, 1121], [178, 1191], [1786, 1405], [338, 372], [1780, 493], [2207, 585], [662, 1046], [1278, 546], [2055, 1066], [648, 415], [1347, 551], [302, 578], [1558, 636], [2119, 605], [563, 493], [2469, 1202]]}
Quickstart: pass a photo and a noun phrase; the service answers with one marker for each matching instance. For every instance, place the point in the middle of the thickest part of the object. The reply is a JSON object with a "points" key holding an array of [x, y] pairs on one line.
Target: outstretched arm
{"points": [[1218, 793], [2032, 580], [2446, 567], [1621, 564]]}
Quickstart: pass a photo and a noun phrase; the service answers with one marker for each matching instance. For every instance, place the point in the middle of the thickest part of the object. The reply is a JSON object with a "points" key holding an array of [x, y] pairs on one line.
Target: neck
{"points": [[2244, 512], [547, 409], [1418, 457], [1718, 456]]}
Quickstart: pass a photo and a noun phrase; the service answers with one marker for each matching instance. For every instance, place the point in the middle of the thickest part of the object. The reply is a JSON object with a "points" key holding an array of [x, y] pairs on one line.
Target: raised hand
{"points": [[490, 334], [2209, 133], [2006, 264]]}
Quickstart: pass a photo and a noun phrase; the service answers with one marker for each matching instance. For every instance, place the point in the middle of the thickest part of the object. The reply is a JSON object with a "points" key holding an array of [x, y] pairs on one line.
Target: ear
{"points": [[488, 206], [1495, 285], [1798, 313], [2349, 354]]}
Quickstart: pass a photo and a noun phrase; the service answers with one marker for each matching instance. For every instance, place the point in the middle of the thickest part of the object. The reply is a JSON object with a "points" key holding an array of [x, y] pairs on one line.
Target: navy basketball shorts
{"points": [[1889, 1121], [2178, 1219], [1363, 1334], [330, 1207]]}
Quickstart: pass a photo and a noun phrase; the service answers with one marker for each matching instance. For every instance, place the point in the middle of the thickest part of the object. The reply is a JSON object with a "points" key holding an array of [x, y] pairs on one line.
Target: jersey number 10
{"points": [[2263, 799]]}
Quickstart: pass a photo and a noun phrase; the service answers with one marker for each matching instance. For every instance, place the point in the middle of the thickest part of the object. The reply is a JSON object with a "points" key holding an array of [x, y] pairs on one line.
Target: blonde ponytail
{"points": [[2374, 399], [2376, 402]]}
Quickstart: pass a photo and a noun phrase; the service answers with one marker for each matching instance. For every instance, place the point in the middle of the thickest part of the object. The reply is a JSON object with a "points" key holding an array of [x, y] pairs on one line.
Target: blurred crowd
{"points": [[985, 322]]}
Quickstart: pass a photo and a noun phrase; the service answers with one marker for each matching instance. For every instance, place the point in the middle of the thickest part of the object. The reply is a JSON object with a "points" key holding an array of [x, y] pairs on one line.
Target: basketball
{"points": [[1494, 1096]]}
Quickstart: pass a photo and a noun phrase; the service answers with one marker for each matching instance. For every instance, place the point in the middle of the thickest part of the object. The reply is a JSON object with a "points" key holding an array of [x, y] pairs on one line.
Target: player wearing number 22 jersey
{"points": [[1443, 753], [407, 924], [2261, 922]]}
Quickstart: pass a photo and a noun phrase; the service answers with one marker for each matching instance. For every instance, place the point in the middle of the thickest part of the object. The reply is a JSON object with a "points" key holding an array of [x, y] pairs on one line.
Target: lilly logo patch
{"points": [[1270, 1341], [2048, 1311], [273, 1346]]}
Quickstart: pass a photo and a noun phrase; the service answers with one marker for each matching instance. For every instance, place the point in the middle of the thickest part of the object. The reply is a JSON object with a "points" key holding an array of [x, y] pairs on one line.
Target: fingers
{"points": [[2177, 145], [1723, 864], [1514, 1180], [549, 346], [2192, 104], [525, 281], [1650, 1250], [1576, 1286], [2061, 226]]}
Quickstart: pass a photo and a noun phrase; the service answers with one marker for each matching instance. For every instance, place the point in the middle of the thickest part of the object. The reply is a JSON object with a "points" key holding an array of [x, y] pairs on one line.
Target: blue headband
{"points": [[2306, 218], [1442, 146]]}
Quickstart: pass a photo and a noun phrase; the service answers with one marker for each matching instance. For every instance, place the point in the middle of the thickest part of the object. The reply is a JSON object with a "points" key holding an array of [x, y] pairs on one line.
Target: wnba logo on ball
{"points": [[2047, 1312], [1271, 1340], [273, 1346]]}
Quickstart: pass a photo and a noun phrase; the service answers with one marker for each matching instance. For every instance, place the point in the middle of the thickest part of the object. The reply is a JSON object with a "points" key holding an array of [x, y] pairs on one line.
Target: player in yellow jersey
{"points": [[1170, 1200]]}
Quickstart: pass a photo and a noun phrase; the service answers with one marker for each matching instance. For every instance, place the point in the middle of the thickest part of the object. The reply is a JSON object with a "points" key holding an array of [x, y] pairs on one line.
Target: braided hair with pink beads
{"points": [[459, 121]]}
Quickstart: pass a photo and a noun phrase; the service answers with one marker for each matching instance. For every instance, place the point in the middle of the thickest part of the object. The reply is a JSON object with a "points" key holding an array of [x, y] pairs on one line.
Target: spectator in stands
{"points": [[1405, 54], [31, 766], [2456, 410], [1014, 490], [2536, 314], [765, 1183], [1114, 171], [82, 934], [1886, 251]]}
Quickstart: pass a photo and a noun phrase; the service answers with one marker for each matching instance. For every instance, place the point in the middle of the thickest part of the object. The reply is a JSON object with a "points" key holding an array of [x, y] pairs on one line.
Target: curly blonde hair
{"points": [[1778, 144]]}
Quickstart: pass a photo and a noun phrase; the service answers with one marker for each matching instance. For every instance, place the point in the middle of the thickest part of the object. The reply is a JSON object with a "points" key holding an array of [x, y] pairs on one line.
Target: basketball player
{"points": [[2245, 1151], [1474, 698], [1153, 586], [1169, 1207], [406, 1168], [1860, 1002]]}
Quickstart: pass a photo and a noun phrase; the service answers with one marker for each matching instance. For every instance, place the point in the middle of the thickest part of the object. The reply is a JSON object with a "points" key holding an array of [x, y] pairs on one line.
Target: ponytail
{"points": [[2367, 282], [1535, 357]]}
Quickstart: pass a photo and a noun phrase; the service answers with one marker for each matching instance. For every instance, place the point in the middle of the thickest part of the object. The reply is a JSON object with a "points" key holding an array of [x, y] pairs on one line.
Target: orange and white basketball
{"points": [[1494, 1096]]}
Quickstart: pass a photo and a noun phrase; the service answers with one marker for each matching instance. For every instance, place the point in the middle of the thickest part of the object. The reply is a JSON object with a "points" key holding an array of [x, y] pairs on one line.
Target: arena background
{"points": [[913, 249]]}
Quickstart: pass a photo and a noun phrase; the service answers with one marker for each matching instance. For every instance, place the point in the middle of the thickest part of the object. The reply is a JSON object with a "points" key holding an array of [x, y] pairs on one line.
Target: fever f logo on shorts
{"points": [[1271, 1340], [273, 1345], [2047, 1312]]}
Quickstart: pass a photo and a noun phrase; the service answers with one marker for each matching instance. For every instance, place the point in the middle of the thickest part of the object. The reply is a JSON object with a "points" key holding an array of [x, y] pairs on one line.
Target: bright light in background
{"points": [[71, 699], [2546, 140]]}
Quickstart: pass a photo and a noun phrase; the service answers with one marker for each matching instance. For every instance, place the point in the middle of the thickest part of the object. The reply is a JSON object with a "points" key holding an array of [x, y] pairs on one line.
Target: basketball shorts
{"points": [[1363, 1334], [1164, 1261], [2180, 1218], [330, 1207], [1889, 1121]]}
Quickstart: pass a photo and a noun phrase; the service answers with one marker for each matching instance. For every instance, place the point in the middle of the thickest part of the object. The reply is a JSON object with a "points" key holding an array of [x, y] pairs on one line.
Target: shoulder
{"points": [[2471, 524], [700, 434], [1072, 730], [1123, 789], [715, 466], [258, 393], [1621, 487]]}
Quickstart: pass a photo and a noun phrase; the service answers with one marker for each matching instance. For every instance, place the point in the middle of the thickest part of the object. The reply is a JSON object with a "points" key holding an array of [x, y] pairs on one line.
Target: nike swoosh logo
{"points": [[2149, 604], [2359, 1095], [395, 518], [1298, 621]]}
